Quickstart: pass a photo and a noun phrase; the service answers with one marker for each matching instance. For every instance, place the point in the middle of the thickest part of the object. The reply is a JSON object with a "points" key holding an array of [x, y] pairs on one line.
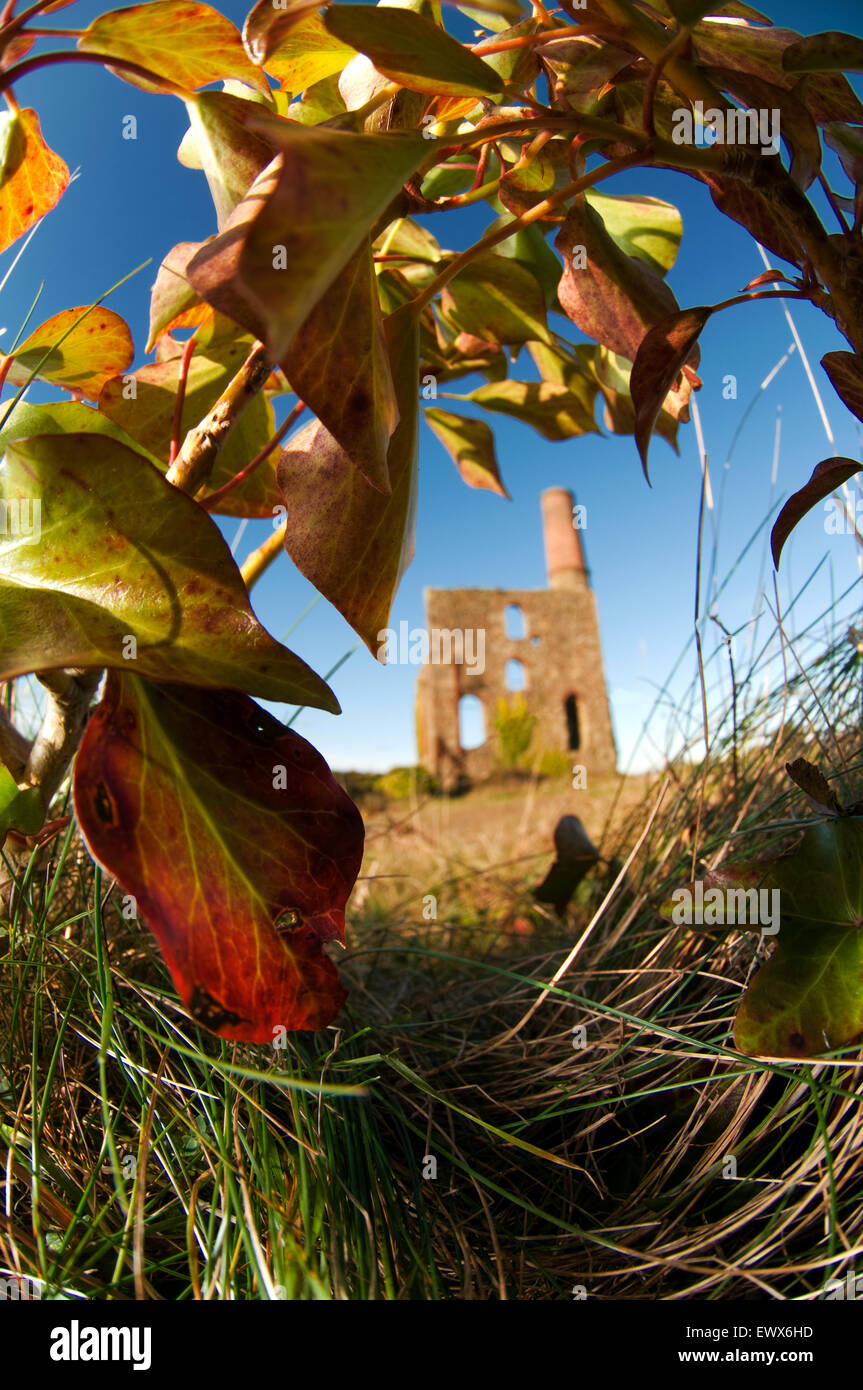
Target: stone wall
{"points": [[561, 657]]}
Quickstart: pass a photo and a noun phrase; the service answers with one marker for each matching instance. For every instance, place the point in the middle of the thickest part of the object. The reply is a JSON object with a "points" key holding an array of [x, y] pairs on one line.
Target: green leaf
{"points": [[240, 861], [644, 227], [172, 299], [20, 808], [554, 411], [412, 51], [66, 417], [338, 365], [830, 52], [496, 299], [301, 223], [470, 444], [827, 476], [808, 998], [110, 552], [188, 43], [143, 405], [351, 541], [79, 349]]}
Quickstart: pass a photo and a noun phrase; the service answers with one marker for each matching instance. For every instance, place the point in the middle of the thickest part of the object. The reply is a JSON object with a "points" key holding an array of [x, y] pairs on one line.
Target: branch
{"points": [[263, 557], [69, 696], [14, 747], [202, 445]]}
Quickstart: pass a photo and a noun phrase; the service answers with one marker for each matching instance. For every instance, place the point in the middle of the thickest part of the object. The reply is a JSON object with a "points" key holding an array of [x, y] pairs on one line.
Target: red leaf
{"points": [[846, 375], [237, 844], [826, 477], [662, 355]]}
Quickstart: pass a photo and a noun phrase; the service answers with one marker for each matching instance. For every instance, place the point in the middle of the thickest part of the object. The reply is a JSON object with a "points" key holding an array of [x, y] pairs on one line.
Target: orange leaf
{"points": [[84, 350], [33, 178]]}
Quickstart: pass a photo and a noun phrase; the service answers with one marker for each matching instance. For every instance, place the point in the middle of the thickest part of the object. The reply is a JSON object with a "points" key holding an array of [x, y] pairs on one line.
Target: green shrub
{"points": [[514, 726], [401, 782]]}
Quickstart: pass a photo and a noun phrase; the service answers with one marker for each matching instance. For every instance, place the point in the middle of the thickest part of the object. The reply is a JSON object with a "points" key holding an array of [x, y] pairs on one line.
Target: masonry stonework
{"points": [[559, 652]]}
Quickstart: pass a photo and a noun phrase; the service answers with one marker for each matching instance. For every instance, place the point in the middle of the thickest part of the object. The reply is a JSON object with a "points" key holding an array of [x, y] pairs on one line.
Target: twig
{"points": [[14, 747], [202, 445], [263, 557], [66, 714]]}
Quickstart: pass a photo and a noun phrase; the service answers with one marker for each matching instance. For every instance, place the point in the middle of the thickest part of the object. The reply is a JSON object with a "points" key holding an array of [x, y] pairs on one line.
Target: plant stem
{"points": [[263, 557], [464, 258], [14, 747], [185, 362], [202, 445], [45, 60], [212, 500], [69, 697]]}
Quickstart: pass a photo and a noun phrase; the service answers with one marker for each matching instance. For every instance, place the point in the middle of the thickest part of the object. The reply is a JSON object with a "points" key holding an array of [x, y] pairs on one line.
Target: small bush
{"points": [[401, 782], [514, 726]]}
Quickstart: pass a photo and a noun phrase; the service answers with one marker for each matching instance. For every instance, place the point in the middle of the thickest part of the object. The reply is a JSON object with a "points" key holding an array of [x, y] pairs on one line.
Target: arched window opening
{"points": [[471, 722], [573, 736], [514, 677], [513, 622]]}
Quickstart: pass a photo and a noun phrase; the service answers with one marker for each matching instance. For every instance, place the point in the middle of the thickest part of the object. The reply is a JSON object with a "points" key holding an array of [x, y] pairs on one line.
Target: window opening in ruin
{"points": [[572, 732]]}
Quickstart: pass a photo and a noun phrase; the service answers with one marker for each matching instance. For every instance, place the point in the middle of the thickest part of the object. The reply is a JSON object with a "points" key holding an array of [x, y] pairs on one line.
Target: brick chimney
{"points": [[564, 558]]}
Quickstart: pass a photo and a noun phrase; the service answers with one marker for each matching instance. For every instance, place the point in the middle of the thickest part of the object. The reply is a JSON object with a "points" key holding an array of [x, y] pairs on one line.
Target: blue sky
{"points": [[133, 200]]}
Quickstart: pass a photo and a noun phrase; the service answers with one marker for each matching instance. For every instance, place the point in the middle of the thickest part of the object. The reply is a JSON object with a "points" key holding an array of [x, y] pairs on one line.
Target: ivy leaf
{"points": [[148, 416], [553, 411], [266, 26], [111, 552], [830, 52], [827, 475], [188, 43], [470, 445], [338, 365], [306, 55], [21, 808], [496, 299], [220, 143], [32, 179], [612, 297], [65, 417], [412, 51], [96, 345], [301, 223], [173, 301], [240, 861], [643, 227], [351, 541], [663, 353], [845, 371], [808, 998]]}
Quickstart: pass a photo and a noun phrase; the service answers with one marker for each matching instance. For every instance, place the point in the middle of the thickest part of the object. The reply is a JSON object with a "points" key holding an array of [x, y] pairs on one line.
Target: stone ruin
{"points": [[555, 660]]}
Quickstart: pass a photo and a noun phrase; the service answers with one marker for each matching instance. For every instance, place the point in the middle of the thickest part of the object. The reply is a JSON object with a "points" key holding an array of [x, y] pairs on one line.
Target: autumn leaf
{"points": [[306, 55], [235, 841], [78, 349], [554, 411], [412, 51], [663, 353], [300, 224], [613, 297], [267, 25], [173, 302], [220, 143], [338, 365], [188, 43], [827, 476], [845, 371], [32, 178], [470, 444], [496, 299], [109, 565], [350, 540]]}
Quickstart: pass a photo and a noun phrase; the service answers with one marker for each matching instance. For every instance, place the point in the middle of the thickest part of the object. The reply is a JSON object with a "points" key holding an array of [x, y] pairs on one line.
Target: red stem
{"points": [[185, 360], [208, 503], [45, 60]]}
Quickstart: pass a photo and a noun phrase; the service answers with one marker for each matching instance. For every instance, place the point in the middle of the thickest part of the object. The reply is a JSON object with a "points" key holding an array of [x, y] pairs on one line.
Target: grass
{"points": [[455, 1135]]}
